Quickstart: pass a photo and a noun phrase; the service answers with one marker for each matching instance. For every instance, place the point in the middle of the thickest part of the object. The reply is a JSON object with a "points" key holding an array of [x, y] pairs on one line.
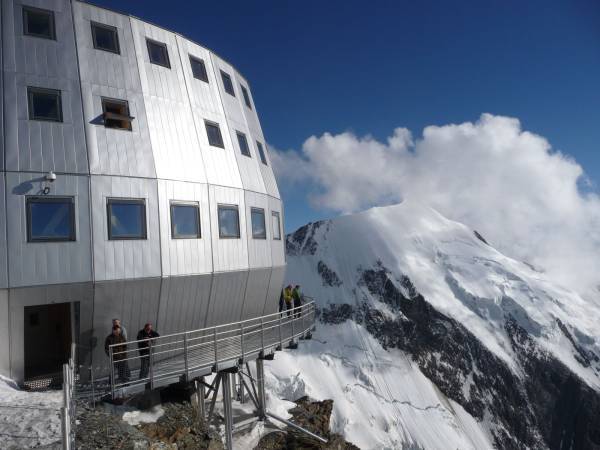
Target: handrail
{"points": [[205, 349]]}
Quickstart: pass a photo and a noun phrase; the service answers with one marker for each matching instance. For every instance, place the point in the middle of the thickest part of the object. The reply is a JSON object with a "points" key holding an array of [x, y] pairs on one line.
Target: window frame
{"points": [[127, 201], [115, 30], [124, 118], [225, 75], [33, 9], [229, 207], [278, 215], [31, 91], [246, 96], [254, 209], [174, 204], [195, 59], [208, 123], [261, 153], [164, 46], [29, 199], [242, 136]]}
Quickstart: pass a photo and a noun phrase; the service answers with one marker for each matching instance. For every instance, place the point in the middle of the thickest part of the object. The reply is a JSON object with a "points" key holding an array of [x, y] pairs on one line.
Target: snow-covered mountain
{"points": [[430, 338]]}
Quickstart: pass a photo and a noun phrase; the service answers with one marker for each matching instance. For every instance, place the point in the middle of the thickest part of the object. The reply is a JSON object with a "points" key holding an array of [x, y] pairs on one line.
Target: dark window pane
{"points": [[214, 135], [243, 144], [185, 221], [229, 222], [276, 226], [259, 230], [198, 69], [246, 97], [157, 51], [127, 219], [51, 219], [261, 152], [227, 84], [44, 104], [38, 23], [105, 38], [116, 114]]}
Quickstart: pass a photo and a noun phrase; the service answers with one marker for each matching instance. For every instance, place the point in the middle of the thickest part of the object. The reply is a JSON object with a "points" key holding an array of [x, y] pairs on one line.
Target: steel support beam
{"points": [[260, 380], [227, 410]]}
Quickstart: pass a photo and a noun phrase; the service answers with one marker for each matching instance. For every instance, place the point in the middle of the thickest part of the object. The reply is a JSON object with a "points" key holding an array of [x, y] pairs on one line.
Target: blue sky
{"points": [[335, 66]]}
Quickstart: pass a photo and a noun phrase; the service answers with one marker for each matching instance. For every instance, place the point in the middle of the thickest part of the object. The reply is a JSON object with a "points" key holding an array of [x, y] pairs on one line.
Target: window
{"points": [[38, 22], [44, 104], [198, 69], [276, 225], [126, 218], [116, 114], [229, 222], [158, 54], [105, 38], [261, 152], [227, 84], [246, 97], [241, 137], [185, 221], [214, 134], [259, 230], [50, 219]]}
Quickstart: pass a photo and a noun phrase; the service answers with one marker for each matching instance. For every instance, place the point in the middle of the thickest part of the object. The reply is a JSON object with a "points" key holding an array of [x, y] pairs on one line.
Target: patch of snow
{"points": [[137, 416]]}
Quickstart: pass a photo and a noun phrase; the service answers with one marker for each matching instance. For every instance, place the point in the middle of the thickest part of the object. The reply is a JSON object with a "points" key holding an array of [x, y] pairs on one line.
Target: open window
{"points": [[259, 229], [116, 114], [185, 220], [39, 23], [158, 53], [44, 104], [126, 218], [50, 219], [229, 222], [243, 142], [105, 38]]}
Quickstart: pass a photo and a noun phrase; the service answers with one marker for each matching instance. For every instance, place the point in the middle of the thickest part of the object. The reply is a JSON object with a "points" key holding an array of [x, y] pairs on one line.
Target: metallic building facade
{"points": [[177, 284]]}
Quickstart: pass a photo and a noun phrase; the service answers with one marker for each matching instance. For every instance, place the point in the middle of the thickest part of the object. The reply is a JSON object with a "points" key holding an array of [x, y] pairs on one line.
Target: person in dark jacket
{"points": [[119, 352], [281, 303], [145, 336], [297, 296]]}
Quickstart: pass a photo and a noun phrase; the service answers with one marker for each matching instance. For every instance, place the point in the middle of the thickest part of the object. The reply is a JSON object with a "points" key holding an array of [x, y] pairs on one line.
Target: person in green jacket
{"points": [[297, 297], [289, 299]]}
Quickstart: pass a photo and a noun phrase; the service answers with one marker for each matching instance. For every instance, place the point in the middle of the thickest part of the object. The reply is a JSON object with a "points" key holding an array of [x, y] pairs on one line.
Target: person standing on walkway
{"points": [[289, 301], [117, 322], [297, 297], [144, 338], [119, 353]]}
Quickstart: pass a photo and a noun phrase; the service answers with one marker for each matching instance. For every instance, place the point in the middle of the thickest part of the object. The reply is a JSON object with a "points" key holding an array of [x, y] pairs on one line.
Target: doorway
{"points": [[48, 335]]}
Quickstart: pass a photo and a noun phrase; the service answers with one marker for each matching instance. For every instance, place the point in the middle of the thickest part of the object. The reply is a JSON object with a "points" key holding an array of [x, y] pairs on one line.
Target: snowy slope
{"points": [[425, 302]]}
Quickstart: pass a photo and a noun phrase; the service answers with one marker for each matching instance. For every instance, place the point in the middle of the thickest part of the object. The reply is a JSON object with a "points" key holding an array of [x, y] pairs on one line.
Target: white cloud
{"points": [[491, 175]]}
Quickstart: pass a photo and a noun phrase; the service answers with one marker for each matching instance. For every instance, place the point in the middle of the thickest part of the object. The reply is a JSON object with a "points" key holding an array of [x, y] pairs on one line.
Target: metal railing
{"points": [[194, 353], [68, 409]]}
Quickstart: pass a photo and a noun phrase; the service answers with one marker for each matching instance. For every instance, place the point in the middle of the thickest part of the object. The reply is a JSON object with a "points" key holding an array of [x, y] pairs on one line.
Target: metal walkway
{"points": [[191, 354]]}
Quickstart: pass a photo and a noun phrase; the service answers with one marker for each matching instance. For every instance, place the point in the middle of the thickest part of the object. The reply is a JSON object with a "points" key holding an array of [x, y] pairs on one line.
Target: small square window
{"points": [[116, 114], [105, 38], [50, 219], [261, 152], [126, 218], [214, 134], [44, 104], [158, 53], [246, 97], [241, 137], [227, 84], [276, 225], [229, 222], [185, 221], [198, 69], [38, 22], [259, 230]]}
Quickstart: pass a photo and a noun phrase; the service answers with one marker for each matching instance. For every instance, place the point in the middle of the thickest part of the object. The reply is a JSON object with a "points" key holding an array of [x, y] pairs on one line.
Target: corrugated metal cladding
{"points": [[165, 159]]}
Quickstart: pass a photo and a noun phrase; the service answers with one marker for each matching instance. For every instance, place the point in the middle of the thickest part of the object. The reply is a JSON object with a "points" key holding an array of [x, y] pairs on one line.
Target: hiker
{"points": [[117, 322], [287, 297], [119, 355], [297, 297], [144, 337]]}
